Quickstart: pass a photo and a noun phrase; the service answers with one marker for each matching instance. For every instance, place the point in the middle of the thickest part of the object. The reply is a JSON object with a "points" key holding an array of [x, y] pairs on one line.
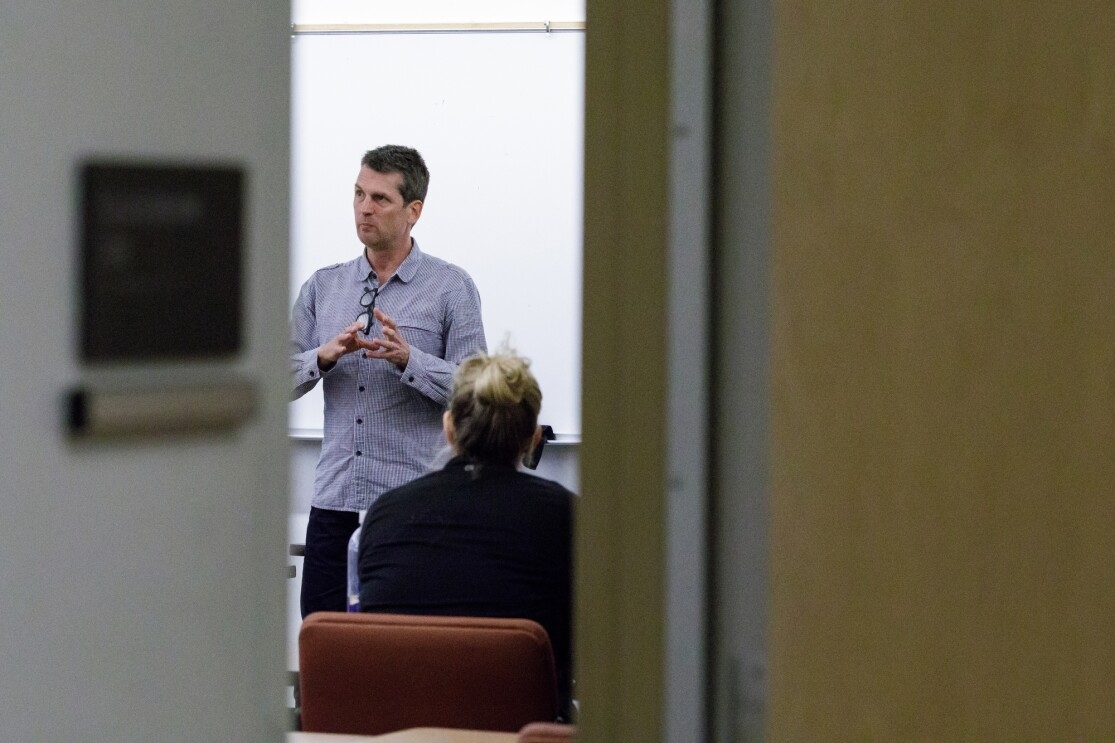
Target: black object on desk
{"points": [[532, 457]]}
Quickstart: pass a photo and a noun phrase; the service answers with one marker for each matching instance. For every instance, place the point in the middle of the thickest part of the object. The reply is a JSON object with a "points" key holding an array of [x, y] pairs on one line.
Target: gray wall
{"points": [[142, 581]]}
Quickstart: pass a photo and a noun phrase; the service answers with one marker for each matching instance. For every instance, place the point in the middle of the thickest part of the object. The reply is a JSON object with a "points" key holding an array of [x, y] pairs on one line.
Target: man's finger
{"points": [[384, 318]]}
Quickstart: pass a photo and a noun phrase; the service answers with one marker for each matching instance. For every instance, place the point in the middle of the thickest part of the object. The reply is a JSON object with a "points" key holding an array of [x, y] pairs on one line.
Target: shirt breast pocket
{"points": [[423, 335]]}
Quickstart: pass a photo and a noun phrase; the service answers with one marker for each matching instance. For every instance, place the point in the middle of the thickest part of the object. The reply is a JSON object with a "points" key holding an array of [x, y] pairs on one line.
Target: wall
{"points": [[620, 521], [143, 580], [740, 414], [943, 372]]}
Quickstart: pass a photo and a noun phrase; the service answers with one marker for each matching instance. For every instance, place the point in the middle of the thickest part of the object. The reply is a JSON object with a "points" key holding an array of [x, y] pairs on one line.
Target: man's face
{"points": [[383, 219]]}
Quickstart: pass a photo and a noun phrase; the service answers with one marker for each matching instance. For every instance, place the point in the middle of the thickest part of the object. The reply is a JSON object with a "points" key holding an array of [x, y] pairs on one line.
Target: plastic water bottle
{"points": [[353, 592]]}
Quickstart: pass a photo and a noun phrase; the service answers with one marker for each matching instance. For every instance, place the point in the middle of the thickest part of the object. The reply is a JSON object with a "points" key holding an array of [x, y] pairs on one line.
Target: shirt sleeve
{"points": [[303, 343], [464, 336]]}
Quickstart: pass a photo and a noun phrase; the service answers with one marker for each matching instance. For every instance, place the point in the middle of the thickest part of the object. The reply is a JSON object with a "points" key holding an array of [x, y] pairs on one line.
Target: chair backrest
{"points": [[375, 673]]}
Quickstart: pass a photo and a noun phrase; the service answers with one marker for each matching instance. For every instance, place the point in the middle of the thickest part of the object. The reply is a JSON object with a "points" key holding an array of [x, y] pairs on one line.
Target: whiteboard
{"points": [[499, 119]]}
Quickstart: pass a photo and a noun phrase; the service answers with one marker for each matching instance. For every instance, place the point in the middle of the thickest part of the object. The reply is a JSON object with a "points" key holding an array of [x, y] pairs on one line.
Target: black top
{"points": [[472, 540]]}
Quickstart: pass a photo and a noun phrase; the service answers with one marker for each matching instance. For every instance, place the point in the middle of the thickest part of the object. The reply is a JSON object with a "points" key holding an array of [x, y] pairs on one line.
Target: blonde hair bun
{"points": [[495, 406]]}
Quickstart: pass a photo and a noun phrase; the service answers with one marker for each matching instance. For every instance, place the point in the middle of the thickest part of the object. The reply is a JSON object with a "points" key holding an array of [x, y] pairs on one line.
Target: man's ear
{"points": [[447, 426], [414, 210]]}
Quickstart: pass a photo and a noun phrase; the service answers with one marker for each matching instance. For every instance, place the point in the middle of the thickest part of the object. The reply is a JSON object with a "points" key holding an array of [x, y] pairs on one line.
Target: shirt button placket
{"points": [[359, 414]]}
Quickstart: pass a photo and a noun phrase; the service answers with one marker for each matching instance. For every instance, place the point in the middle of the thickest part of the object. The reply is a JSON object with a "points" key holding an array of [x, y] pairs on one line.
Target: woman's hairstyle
{"points": [[494, 407]]}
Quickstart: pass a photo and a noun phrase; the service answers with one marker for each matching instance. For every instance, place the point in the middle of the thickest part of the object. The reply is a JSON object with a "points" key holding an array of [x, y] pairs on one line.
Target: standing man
{"points": [[384, 333]]}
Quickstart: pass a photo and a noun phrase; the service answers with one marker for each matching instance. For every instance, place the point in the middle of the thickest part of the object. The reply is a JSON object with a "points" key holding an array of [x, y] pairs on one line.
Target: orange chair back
{"points": [[375, 673]]}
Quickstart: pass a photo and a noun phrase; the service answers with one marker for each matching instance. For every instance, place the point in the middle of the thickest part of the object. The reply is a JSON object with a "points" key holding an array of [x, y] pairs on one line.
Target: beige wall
{"points": [[943, 379], [619, 521]]}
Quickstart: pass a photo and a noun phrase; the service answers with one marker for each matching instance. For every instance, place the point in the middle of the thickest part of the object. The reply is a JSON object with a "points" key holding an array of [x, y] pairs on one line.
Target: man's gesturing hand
{"points": [[392, 346], [343, 343]]}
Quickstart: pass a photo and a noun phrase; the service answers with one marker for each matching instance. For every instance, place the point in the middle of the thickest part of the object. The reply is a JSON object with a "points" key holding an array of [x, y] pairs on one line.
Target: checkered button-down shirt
{"points": [[382, 425]]}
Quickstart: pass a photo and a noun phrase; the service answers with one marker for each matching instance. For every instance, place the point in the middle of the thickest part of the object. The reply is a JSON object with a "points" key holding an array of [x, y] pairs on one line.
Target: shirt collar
{"points": [[406, 270], [409, 266]]}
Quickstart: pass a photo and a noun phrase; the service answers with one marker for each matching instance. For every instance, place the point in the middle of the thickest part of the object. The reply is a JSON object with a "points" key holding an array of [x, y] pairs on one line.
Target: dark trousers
{"points": [[325, 566]]}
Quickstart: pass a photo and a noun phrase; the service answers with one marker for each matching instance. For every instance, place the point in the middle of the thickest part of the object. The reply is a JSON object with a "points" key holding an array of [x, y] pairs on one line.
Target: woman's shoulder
{"points": [[431, 482], [457, 476], [543, 488]]}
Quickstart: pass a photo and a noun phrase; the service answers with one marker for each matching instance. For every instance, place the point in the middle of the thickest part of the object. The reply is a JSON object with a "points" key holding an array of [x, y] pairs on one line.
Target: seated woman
{"points": [[479, 537]]}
